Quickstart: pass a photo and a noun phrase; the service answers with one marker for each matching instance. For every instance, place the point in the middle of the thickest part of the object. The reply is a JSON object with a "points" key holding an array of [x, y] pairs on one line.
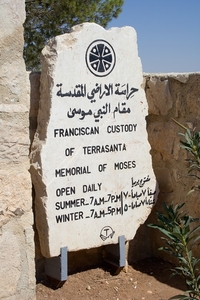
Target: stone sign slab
{"points": [[90, 160]]}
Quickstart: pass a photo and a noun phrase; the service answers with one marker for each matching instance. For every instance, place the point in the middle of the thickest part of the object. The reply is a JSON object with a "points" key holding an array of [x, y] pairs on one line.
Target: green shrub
{"points": [[175, 224], [180, 239]]}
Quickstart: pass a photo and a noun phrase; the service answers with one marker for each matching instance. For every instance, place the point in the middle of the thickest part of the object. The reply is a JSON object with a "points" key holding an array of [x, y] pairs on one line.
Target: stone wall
{"points": [[17, 268], [171, 96]]}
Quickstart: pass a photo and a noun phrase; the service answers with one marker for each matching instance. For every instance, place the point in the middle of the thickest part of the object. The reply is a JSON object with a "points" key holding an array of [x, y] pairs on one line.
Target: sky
{"points": [[168, 33]]}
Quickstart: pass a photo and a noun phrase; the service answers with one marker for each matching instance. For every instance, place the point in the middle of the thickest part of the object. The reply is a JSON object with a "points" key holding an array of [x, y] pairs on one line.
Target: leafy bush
{"points": [[175, 224], [180, 238], [191, 144]]}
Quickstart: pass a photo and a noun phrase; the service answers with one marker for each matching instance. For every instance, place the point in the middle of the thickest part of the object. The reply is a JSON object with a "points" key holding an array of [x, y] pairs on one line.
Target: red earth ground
{"points": [[148, 279]]}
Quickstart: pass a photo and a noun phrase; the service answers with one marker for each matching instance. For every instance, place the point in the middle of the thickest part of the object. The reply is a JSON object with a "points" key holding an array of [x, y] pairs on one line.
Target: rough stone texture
{"points": [[158, 93], [17, 274], [168, 158]]}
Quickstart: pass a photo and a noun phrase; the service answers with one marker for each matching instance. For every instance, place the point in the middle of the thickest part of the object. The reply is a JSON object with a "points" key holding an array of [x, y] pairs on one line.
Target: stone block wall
{"points": [[171, 96], [17, 267]]}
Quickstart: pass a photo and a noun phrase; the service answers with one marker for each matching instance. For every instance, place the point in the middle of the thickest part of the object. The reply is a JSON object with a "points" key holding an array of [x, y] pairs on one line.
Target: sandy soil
{"points": [[146, 279]]}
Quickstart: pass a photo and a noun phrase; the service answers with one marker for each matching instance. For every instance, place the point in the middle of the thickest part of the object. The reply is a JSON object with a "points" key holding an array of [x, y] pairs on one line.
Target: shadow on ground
{"points": [[161, 270]]}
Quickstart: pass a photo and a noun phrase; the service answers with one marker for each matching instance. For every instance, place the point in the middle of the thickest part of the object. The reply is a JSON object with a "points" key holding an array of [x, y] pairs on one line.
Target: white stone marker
{"points": [[91, 165]]}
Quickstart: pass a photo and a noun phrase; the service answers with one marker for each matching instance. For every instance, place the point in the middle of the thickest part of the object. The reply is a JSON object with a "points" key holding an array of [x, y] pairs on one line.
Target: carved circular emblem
{"points": [[106, 232], [100, 58]]}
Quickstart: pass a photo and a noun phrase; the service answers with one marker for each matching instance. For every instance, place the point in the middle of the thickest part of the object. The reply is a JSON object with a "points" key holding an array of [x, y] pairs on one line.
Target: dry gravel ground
{"points": [[145, 280]]}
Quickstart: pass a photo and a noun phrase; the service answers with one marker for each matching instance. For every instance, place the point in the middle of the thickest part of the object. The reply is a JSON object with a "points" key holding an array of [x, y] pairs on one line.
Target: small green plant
{"points": [[191, 144], [179, 239], [175, 224]]}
